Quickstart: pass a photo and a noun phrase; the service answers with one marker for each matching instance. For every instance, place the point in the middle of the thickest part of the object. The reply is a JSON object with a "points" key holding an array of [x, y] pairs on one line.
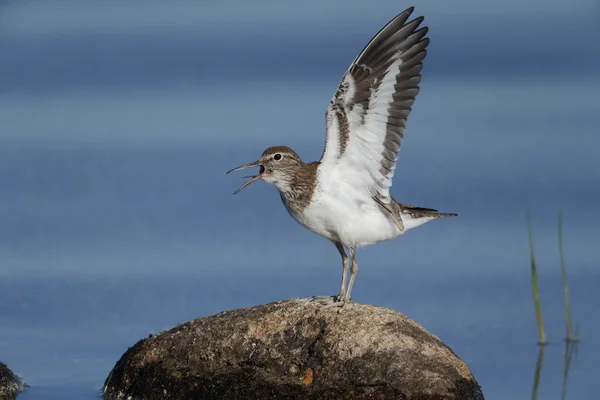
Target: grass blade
{"points": [[534, 285], [568, 355], [538, 372], [569, 325]]}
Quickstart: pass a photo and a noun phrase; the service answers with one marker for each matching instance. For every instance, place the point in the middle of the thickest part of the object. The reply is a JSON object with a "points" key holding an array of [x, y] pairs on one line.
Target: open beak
{"points": [[252, 178]]}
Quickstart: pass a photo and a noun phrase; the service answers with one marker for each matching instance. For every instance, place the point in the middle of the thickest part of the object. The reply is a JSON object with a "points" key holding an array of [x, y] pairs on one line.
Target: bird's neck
{"points": [[298, 187]]}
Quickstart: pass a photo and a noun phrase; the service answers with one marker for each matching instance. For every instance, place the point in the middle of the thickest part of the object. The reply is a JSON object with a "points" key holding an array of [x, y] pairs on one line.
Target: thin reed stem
{"points": [[569, 325], [534, 285], [538, 372]]}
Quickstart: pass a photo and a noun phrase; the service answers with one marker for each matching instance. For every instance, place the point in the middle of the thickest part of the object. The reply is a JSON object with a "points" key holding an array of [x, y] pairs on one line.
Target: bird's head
{"points": [[278, 165]]}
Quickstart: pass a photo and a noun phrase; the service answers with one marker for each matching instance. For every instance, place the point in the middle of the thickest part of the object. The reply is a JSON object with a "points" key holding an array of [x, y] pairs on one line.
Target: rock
{"points": [[294, 349], [10, 384]]}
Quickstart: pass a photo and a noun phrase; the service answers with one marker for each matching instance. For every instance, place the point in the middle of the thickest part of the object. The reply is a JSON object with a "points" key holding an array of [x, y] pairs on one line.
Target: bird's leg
{"points": [[353, 271], [336, 301], [345, 262]]}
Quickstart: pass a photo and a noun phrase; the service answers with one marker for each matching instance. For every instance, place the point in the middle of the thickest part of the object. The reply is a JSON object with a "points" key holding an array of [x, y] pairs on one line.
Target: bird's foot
{"points": [[324, 300], [343, 298], [340, 302]]}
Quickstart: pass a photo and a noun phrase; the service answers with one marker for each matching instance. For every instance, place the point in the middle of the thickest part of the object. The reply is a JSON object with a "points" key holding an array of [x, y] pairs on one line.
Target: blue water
{"points": [[117, 220]]}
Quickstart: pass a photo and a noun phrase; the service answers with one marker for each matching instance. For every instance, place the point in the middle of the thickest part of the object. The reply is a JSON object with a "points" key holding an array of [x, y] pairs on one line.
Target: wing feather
{"points": [[367, 115]]}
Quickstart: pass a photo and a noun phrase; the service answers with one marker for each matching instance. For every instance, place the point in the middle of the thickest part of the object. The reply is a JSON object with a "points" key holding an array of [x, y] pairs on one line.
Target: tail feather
{"points": [[407, 217], [417, 208], [422, 212]]}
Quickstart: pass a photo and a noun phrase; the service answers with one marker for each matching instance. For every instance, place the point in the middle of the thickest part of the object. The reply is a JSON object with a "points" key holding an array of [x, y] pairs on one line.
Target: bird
{"points": [[345, 196]]}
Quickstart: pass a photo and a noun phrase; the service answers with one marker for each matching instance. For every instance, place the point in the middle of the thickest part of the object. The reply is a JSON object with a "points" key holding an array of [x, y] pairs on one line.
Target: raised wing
{"points": [[367, 115]]}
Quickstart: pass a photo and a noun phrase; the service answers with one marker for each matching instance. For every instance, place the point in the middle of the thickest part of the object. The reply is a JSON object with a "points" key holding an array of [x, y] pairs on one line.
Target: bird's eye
{"points": [[277, 156]]}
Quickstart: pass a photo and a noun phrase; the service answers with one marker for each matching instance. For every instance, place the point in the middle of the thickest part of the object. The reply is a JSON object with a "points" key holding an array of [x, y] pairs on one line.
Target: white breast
{"points": [[339, 213]]}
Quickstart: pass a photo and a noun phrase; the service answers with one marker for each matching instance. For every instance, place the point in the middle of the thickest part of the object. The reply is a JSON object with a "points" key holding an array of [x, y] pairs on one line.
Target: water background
{"points": [[120, 118]]}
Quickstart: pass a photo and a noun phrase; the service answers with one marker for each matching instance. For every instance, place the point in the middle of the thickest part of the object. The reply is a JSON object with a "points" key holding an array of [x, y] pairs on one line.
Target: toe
{"points": [[323, 299]]}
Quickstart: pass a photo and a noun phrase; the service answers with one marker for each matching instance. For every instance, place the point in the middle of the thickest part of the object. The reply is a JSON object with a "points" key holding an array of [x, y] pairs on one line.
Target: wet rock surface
{"points": [[294, 349], [10, 384]]}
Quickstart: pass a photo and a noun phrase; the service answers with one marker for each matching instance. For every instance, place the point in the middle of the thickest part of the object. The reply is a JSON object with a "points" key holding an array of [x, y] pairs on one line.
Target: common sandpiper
{"points": [[345, 196]]}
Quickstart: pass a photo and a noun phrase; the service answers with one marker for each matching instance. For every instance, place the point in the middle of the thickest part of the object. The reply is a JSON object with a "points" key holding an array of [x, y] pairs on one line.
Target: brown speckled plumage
{"points": [[271, 151], [303, 185], [302, 176], [344, 130]]}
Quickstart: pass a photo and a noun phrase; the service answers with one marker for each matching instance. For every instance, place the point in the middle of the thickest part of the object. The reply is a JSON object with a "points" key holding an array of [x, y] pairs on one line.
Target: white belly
{"points": [[342, 215]]}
